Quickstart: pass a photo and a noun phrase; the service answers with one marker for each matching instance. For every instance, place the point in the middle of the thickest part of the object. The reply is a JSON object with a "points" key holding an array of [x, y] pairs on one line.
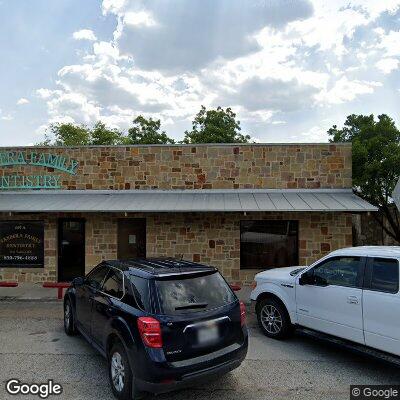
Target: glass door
{"points": [[71, 249]]}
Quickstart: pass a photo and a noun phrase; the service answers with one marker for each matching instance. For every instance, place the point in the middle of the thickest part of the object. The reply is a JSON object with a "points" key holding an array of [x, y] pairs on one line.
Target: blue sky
{"points": [[290, 69]]}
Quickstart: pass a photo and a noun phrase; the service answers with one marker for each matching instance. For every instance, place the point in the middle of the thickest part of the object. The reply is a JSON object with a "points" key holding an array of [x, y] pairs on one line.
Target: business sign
{"points": [[21, 244], [35, 158]]}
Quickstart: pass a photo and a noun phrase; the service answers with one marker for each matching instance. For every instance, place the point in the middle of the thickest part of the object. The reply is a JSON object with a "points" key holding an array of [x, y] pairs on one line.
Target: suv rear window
{"points": [[140, 289], [192, 294]]}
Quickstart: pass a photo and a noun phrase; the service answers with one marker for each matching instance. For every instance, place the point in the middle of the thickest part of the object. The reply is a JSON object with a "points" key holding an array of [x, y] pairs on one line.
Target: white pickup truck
{"points": [[351, 293]]}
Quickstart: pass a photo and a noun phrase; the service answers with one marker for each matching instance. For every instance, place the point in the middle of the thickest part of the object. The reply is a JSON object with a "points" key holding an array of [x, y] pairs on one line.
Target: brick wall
{"points": [[201, 166], [212, 238]]}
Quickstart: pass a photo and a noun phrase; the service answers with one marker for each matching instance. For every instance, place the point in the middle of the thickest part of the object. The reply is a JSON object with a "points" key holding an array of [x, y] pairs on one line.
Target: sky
{"points": [[289, 69]]}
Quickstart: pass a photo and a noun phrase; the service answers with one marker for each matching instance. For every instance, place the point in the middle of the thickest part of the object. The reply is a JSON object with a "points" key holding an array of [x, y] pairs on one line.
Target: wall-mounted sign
{"points": [[21, 244], [36, 158]]}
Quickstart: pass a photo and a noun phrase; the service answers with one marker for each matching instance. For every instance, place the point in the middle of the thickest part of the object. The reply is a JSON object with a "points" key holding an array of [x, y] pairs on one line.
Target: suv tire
{"points": [[273, 319], [120, 374], [69, 320]]}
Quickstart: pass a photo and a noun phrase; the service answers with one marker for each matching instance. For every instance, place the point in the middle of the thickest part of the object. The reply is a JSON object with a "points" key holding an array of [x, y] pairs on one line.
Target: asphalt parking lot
{"points": [[34, 348]]}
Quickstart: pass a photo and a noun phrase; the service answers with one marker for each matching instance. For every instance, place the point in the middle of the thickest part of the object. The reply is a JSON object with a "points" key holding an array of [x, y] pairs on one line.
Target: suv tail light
{"points": [[242, 314], [150, 332]]}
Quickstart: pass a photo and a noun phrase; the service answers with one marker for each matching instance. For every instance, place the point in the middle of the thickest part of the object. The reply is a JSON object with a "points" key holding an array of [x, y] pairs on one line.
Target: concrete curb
{"points": [[17, 299]]}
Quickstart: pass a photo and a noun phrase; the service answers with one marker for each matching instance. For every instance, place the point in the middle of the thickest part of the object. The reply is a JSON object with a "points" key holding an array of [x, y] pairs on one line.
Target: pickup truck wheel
{"points": [[69, 321], [120, 374], [273, 319]]}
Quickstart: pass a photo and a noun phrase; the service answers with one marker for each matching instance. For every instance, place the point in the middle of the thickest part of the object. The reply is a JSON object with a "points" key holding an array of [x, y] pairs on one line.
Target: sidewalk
{"points": [[35, 291], [28, 291]]}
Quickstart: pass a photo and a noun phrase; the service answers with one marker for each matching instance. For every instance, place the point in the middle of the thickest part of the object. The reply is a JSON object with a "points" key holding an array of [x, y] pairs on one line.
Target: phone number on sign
{"points": [[20, 258]]}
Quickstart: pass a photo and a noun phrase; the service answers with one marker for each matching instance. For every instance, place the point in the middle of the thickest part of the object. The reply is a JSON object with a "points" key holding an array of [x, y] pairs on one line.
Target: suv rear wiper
{"points": [[192, 305]]}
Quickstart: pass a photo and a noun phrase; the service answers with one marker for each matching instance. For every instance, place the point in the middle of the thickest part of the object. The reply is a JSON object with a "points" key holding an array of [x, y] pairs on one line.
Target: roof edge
{"points": [[166, 191], [184, 145]]}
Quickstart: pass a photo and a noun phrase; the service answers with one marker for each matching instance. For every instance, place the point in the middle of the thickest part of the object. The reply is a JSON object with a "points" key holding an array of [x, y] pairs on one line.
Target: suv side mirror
{"points": [[79, 281]]}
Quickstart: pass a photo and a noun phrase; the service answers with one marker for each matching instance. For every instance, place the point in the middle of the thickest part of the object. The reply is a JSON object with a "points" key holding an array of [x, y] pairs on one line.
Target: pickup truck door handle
{"points": [[352, 300]]}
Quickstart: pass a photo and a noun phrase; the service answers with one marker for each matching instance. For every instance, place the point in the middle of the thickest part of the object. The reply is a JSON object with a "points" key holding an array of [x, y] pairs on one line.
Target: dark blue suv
{"points": [[162, 324]]}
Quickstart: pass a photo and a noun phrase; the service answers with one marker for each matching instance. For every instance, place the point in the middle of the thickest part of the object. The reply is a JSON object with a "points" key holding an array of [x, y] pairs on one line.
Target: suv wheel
{"points": [[120, 374], [69, 321], [273, 319]]}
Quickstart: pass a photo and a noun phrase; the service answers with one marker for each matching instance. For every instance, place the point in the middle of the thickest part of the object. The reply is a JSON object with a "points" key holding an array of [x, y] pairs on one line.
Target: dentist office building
{"points": [[242, 208]]}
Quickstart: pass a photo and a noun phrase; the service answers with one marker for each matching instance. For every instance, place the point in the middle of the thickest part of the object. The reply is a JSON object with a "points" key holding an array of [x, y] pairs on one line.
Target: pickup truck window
{"points": [[385, 275], [339, 271]]}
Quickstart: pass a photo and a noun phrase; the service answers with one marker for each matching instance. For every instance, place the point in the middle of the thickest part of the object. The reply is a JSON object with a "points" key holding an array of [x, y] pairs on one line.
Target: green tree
{"points": [[215, 126], [147, 131], [101, 135], [69, 135], [376, 162]]}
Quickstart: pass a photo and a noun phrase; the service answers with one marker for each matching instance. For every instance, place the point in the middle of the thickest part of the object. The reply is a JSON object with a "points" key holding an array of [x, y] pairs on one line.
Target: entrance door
{"points": [[71, 249], [131, 238]]}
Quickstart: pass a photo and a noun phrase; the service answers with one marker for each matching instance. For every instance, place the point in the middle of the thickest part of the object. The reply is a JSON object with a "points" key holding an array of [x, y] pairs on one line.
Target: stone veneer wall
{"points": [[212, 238], [286, 166]]}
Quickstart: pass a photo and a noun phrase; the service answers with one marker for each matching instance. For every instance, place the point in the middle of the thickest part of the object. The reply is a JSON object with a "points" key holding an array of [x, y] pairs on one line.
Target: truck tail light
{"points": [[150, 332], [242, 314]]}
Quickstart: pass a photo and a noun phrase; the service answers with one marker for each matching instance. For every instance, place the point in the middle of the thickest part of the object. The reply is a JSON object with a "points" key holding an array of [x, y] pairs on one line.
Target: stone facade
{"points": [[212, 238], [201, 167]]}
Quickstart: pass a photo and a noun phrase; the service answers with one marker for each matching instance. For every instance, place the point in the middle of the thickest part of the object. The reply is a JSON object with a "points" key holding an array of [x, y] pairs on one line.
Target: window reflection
{"points": [[268, 244]]}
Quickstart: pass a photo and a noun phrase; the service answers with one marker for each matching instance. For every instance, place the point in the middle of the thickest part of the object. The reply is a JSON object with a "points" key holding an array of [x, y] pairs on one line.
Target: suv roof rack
{"points": [[161, 266]]}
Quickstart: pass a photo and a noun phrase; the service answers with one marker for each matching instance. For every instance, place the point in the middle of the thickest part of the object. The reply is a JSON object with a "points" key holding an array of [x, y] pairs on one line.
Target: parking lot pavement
{"points": [[34, 348]]}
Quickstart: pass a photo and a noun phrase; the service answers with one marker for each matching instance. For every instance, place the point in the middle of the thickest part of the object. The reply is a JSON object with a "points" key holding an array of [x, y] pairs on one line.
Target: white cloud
{"points": [[5, 117], [345, 90], [84, 34], [387, 65], [22, 101], [139, 18], [44, 93], [176, 35], [105, 50], [278, 67], [257, 94], [113, 6], [314, 134], [390, 43]]}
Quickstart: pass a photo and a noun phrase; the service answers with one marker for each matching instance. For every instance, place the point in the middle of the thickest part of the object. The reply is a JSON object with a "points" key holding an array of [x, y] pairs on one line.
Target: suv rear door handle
{"points": [[352, 300]]}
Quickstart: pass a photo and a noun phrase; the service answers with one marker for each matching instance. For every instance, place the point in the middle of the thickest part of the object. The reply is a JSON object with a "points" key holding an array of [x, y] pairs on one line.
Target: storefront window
{"points": [[268, 244]]}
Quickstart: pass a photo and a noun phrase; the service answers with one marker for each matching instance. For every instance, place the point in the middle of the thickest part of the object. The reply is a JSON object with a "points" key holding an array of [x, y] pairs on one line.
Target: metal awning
{"points": [[183, 200]]}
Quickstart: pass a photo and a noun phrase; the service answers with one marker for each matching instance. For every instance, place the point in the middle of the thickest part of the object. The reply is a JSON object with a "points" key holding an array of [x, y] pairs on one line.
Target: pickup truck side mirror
{"points": [[79, 281], [306, 279]]}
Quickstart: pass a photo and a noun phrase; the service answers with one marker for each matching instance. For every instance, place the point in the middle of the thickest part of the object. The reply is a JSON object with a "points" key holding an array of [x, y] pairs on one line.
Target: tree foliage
{"points": [[101, 135], [70, 135], [147, 131], [376, 161], [143, 131], [209, 126], [215, 126]]}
